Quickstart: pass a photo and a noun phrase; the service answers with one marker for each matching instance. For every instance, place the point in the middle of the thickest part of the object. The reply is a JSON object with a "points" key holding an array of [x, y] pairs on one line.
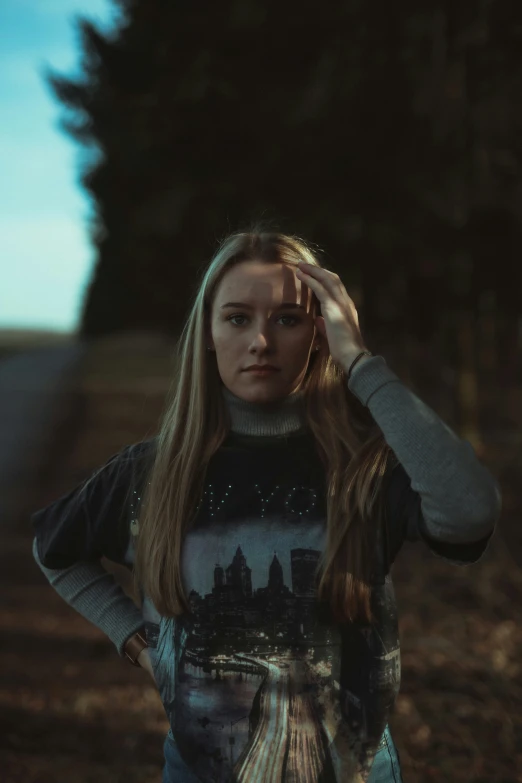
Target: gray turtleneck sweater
{"points": [[459, 498]]}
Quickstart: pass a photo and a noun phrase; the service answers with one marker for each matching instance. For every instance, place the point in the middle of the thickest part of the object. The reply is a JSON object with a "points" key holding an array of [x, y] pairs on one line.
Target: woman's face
{"points": [[257, 329]]}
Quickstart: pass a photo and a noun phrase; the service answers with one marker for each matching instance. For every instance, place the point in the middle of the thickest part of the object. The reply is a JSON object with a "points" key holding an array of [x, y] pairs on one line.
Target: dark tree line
{"points": [[389, 134]]}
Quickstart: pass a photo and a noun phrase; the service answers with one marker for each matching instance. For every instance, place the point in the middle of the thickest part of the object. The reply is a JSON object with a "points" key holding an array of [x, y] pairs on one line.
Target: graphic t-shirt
{"points": [[257, 676]]}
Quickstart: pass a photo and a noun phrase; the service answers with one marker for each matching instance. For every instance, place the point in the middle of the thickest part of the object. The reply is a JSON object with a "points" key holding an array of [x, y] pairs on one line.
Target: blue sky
{"points": [[46, 259]]}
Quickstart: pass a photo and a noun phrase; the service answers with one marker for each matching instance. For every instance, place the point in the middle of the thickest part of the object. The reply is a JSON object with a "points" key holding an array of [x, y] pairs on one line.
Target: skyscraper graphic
{"points": [[304, 563], [239, 575], [275, 576]]}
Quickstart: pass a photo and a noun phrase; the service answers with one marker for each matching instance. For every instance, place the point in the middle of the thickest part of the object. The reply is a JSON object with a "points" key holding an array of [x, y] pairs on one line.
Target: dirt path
{"points": [[72, 709]]}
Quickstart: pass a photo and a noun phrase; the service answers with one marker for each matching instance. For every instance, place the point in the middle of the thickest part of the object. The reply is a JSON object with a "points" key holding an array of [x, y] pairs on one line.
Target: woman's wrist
{"points": [[134, 646], [142, 658]]}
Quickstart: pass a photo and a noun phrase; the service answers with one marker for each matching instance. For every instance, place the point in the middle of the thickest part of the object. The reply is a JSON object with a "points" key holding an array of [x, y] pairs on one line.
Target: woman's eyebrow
{"points": [[250, 307]]}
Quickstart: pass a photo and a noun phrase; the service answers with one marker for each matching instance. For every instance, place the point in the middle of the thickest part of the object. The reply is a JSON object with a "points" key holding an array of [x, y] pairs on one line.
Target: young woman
{"points": [[261, 524]]}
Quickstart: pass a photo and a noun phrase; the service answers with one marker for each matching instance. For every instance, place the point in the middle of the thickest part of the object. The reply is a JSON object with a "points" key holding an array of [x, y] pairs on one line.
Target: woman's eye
{"points": [[239, 315]]}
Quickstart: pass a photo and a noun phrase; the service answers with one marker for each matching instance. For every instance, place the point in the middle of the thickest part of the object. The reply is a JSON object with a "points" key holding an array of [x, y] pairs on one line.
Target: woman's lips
{"points": [[262, 372]]}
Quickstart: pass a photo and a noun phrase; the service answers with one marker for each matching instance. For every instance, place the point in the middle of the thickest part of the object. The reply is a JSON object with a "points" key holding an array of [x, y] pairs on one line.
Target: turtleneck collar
{"points": [[279, 418]]}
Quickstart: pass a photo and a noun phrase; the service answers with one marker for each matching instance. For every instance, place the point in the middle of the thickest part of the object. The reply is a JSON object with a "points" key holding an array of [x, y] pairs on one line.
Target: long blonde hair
{"points": [[194, 425]]}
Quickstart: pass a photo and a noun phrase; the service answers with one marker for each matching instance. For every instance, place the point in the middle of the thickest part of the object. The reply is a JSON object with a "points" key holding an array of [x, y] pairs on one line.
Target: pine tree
{"points": [[357, 126]]}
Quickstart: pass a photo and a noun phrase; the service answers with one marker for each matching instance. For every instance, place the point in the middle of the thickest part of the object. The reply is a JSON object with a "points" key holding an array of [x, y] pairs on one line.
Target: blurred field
{"points": [[72, 711]]}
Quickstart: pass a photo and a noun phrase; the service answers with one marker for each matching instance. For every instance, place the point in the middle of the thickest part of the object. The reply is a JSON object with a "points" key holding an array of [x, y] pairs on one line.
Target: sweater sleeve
{"points": [[440, 493], [407, 523], [89, 589], [75, 531]]}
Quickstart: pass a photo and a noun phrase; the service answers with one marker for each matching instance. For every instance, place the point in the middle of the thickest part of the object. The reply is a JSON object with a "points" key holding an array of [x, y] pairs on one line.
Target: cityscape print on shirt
{"points": [[257, 683]]}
